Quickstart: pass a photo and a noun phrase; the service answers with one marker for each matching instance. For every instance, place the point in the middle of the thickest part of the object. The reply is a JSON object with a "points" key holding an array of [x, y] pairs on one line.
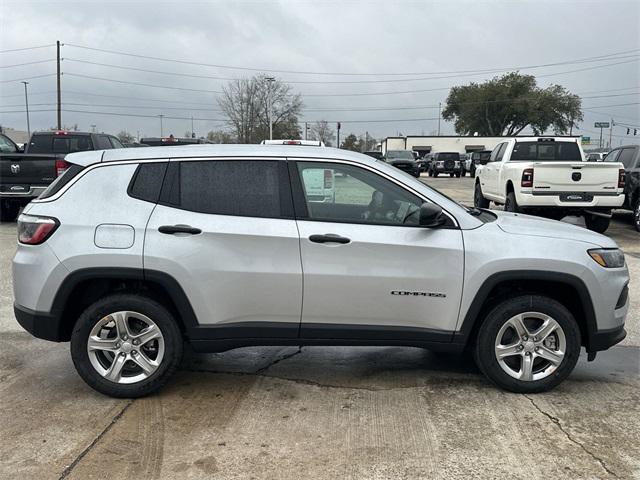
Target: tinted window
{"points": [[400, 154], [6, 145], [626, 157], [70, 143], [102, 142], [40, 143], [496, 151], [147, 181], [612, 156], [246, 188], [344, 193], [55, 186], [448, 156], [546, 151], [500, 154], [116, 143]]}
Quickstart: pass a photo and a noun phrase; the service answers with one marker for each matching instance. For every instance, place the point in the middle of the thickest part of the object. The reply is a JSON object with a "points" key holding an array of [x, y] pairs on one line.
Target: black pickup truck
{"points": [[26, 174], [629, 156]]}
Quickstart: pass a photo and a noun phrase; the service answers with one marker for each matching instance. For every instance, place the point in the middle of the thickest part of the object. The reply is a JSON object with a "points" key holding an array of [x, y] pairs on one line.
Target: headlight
{"points": [[608, 257]]}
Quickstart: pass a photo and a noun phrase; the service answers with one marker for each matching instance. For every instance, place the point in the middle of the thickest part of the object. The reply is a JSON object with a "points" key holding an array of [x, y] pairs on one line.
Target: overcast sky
{"points": [[421, 39]]}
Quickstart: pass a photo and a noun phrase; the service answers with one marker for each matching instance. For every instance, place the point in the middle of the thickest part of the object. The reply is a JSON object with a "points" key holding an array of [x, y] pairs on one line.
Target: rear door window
{"points": [[40, 144], [6, 145], [626, 157], [246, 188]]}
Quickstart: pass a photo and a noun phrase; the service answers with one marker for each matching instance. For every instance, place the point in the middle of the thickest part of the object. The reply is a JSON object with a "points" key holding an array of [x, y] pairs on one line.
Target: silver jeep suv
{"points": [[134, 251]]}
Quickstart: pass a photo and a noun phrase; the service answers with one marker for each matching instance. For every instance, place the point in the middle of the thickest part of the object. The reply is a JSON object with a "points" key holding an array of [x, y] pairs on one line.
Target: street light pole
{"points": [[270, 80], [26, 104], [439, 115], [161, 131]]}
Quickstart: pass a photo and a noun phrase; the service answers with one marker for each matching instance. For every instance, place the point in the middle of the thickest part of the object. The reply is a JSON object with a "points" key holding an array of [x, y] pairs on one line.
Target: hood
{"points": [[519, 224]]}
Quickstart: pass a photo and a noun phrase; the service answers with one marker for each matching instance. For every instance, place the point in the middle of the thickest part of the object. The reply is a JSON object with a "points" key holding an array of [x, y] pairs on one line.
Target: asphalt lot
{"points": [[319, 412]]}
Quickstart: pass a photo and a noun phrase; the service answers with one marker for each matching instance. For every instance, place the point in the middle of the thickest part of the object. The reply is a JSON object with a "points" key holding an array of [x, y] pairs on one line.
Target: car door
{"points": [[224, 231], [491, 171], [367, 266]]}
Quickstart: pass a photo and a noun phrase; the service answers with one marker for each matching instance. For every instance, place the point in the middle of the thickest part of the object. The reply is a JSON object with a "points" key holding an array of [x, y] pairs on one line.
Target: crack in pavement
{"points": [[67, 471], [557, 422], [281, 359]]}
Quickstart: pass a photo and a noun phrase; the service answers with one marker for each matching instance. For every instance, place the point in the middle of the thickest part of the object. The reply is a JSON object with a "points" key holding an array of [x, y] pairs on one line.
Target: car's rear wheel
{"points": [[463, 173], [636, 214], [528, 344], [597, 223], [478, 198], [126, 345], [511, 204], [451, 175]]}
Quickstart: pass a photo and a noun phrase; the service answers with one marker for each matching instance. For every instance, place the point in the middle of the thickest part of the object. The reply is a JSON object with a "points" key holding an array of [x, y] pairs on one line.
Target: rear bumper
{"points": [[552, 199], [39, 324]]}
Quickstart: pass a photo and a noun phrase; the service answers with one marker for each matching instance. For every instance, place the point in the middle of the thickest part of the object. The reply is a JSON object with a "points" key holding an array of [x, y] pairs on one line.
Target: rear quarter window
{"points": [[55, 186], [147, 181]]}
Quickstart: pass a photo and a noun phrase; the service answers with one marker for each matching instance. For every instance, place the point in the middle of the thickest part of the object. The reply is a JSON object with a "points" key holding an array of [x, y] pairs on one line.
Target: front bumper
{"points": [[40, 324], [603, 339]]}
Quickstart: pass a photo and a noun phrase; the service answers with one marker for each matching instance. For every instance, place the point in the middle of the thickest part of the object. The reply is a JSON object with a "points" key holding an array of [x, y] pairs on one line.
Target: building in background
{"points": [[443, 143]]}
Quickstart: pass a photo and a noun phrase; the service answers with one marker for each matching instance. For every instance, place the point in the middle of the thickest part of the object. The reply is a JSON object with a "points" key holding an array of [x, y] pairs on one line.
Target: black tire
{"points": [[484, 352], [478, 198], [636, 214], [457, 175], [435, 174], [464, 173], [596, 223], [451, 175], [510, 204], [164, 320], [472, 173], [430, 172], [9, 211]]}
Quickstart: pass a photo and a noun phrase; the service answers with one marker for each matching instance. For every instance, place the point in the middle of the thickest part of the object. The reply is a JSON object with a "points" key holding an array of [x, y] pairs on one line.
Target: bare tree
{"points": [[323, 132], [245, 103], [125, 137], [220, 136]]}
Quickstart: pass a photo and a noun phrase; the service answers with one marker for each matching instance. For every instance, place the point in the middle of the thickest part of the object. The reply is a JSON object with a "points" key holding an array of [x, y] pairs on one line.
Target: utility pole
{"points": [[193, 134], [59, 109], [338, 134], [439, 115], [366, 141], [306, 129], [26, 104], [270, 80], [611, 133], [161, 130]]}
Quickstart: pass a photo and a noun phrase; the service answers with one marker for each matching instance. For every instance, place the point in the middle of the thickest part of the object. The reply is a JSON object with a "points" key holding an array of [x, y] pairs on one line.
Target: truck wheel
{"points": [[435, 174], [478, 199], [464, 173], [126, 345], [636, 214], [9, 211], [596, 223], [451, 175], [511, 205], [528, 344], [472, 173], [430, 172]]}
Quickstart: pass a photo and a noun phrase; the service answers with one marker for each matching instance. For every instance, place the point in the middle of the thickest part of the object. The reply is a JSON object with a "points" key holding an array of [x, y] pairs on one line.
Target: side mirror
{"points": [[484, 161], [431, 215]]}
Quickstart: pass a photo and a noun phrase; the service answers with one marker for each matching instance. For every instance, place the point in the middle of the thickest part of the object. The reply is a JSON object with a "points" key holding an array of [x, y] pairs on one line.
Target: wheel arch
{"points": [[83, 287], [565, 288]]}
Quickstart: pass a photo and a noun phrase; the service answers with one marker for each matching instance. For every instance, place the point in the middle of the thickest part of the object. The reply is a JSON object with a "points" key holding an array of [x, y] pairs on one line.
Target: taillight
{"points": [[328, 179], [61, 167], [621, 178], [527, 178], [33, 230]]}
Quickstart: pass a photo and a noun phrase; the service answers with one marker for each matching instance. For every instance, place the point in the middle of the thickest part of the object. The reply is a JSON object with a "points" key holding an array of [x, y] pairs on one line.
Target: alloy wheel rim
{"points": [[530, 346], [125, 347]]}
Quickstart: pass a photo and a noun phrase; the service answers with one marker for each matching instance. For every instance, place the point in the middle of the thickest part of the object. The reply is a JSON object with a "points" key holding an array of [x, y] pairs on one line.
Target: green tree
{"points": [[507, 105], [350, 142], [125, 137]]}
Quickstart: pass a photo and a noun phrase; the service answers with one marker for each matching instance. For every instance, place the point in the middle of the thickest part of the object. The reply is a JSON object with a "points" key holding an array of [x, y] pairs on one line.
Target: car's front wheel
{"points": [[636, 214], [478, 198], [126, 345], [596, 223], [528, 344]]}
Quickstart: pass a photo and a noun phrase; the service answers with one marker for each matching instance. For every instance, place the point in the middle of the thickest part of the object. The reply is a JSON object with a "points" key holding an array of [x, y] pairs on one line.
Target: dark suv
{"points": [[445, 162], [629, 156], [404, 160], [476, 159]]}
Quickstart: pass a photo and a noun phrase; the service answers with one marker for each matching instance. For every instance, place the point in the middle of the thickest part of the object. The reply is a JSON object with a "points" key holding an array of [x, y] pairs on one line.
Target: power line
{"points": [[231, 67], [122, 114], [27, 48], [27, 63], [27, 78], [140, 84]]}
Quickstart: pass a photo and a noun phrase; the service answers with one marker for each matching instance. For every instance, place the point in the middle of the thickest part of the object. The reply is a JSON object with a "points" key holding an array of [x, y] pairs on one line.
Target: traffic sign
{"points": [[602, 124], [586, 140]]}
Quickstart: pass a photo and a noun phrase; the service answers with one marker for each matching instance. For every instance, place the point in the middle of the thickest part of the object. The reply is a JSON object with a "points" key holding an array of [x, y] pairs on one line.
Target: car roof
{"points": [[215, 150]]}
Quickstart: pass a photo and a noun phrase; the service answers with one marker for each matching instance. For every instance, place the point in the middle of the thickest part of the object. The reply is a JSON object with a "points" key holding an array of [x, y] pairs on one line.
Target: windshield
{"points": [[449, 156], [546, 152], [403, 154]]}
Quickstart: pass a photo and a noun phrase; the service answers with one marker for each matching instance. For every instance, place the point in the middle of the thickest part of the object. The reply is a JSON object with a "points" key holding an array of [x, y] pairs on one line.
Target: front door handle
{"points": [[171, 229], [329, 238]]}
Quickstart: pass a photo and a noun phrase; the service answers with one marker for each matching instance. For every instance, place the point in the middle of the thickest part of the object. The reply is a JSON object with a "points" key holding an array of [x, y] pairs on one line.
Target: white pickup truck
{"points": [[548, 176]]}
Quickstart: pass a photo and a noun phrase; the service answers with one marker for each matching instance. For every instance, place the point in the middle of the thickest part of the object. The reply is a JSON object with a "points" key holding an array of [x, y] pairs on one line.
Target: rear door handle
{"points": [[329, 238], [171, 229]]}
